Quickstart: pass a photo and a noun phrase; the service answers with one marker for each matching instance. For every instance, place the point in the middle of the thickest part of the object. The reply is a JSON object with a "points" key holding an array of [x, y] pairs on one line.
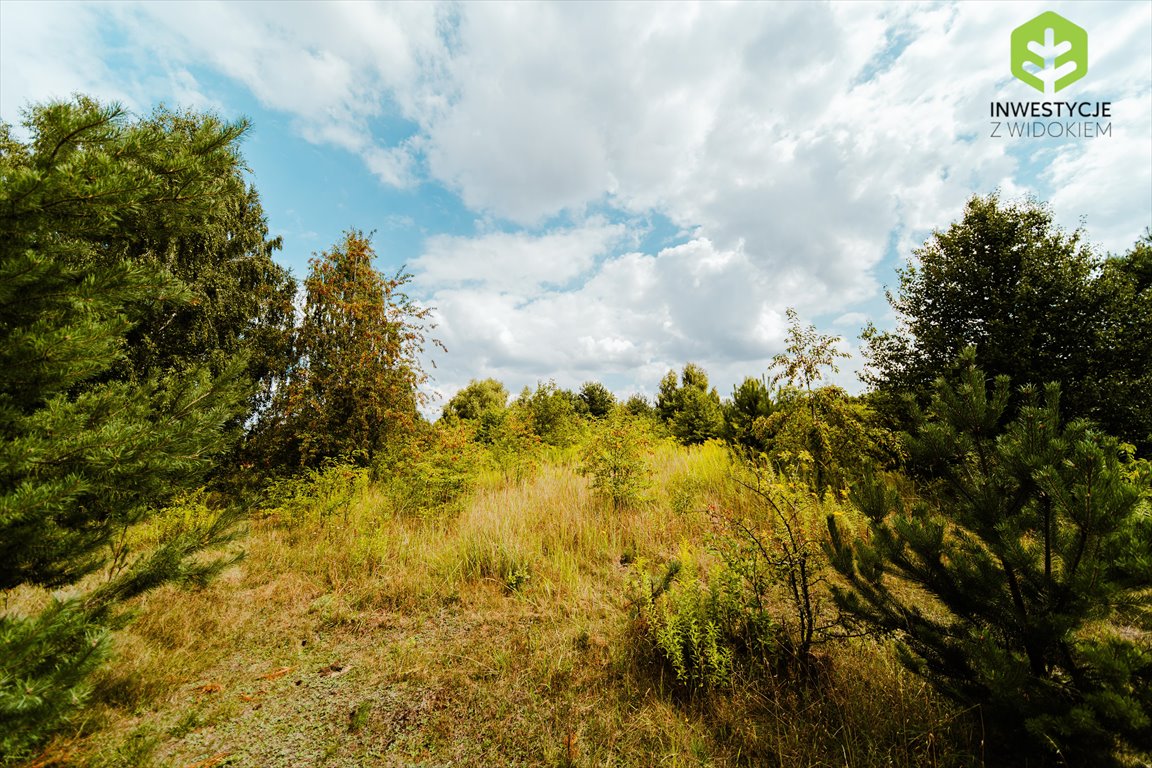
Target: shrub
{"points": [[474, 401], [317, 494], [434, 473], [515, 448], [692, 624], [551, 413], [775, 545], [614, 459]]}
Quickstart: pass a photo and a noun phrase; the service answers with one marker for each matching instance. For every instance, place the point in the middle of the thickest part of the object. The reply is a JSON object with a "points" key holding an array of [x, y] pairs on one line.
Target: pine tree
{"points": [[596, 400], [1020, 579], [691, 410], [85, 454], [745, 413]]}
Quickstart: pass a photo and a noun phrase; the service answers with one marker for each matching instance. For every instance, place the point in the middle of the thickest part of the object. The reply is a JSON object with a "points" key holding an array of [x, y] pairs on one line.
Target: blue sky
{"points": [[609, 190]]}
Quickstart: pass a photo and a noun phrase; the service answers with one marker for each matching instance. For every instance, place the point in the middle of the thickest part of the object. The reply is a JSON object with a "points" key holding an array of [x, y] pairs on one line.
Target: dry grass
{"points": [[496, 636]]}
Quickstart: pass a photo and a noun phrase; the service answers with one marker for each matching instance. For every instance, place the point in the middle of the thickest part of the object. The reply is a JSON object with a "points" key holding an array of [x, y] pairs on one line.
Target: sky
{"points": [[610, 190]]}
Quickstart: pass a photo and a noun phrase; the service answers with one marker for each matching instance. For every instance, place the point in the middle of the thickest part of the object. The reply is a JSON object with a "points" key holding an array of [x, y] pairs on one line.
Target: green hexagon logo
{"points": [[1049, 52]]}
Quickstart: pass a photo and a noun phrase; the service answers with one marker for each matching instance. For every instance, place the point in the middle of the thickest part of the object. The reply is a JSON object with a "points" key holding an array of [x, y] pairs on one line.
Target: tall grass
{"points": [[498, 633]]}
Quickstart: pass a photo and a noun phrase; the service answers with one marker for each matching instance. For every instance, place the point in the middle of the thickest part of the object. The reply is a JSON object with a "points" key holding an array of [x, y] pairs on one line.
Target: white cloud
{"points": [[793, 143], [514, 262], [32, 37]]}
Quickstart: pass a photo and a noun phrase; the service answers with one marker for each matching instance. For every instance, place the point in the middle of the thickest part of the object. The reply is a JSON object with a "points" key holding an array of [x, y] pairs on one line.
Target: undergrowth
{"points": [[528, 619]]}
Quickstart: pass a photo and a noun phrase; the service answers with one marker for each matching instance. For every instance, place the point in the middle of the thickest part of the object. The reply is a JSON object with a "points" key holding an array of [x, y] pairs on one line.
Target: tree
{"points": [[806, 354], [477, 399], [814, 430], [824, 437], [85, 453], [638, 405], [240, 301], [1029, 297], [690, 408], [745, 413], [551, 412], [597, 401], [1010, 580], [483, 404], [354, 388], [1120, 394], [614, 457]]}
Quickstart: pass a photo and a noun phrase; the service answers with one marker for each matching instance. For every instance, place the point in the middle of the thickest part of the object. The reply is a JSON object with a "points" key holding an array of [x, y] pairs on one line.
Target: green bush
{"points": [[775, 545], [515, 449], [614, 458], [435, 473], [690, 409], [699, 626], [476, 400], [317, 494], [551, 413]]}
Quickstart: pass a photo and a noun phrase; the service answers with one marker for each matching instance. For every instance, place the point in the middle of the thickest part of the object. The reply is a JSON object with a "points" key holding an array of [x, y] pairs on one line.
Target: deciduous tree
{"points": [[355, 386], [1036, 303]]}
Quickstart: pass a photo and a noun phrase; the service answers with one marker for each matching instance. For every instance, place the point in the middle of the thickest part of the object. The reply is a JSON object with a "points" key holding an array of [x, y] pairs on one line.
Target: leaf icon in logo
{"points": [[1049, 52]]}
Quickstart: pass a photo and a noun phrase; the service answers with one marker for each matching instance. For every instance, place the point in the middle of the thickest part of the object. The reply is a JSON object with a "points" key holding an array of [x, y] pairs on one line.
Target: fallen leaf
{"points": [[210, 688], [50, 758], [214, 760], [276, 673]]}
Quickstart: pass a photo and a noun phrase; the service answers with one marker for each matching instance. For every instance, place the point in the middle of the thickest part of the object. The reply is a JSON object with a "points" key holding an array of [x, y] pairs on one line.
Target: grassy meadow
{"points": [[499, 627]]}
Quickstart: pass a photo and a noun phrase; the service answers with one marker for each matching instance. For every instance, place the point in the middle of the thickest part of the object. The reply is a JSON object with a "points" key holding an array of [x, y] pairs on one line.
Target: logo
{"points": [[1049, 53]]}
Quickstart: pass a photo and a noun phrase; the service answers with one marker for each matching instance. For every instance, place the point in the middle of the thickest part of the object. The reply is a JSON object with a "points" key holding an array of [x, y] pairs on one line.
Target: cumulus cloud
{"points": [[516, 262], [793, 146]]}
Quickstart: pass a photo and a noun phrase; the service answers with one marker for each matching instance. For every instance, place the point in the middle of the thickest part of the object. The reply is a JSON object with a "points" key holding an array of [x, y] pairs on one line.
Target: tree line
{"points": [[150, 344]]}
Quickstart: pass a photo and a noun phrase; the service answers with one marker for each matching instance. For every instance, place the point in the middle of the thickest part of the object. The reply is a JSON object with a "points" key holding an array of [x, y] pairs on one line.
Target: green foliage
{"points": [[434, 473], [515, 448], [806, 354], [824, 438], [88, 452], [689, 408], [776, 550], [44, 670], [239, 300], [1006, 279], [745, 413], [354, 387], [1026, 556], [318, 494], [478, 400], [821, 435], [596, 400], [1118, 393], [614, 457], [638, 405], [762, 609], [551, 413], [689, 622]]}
